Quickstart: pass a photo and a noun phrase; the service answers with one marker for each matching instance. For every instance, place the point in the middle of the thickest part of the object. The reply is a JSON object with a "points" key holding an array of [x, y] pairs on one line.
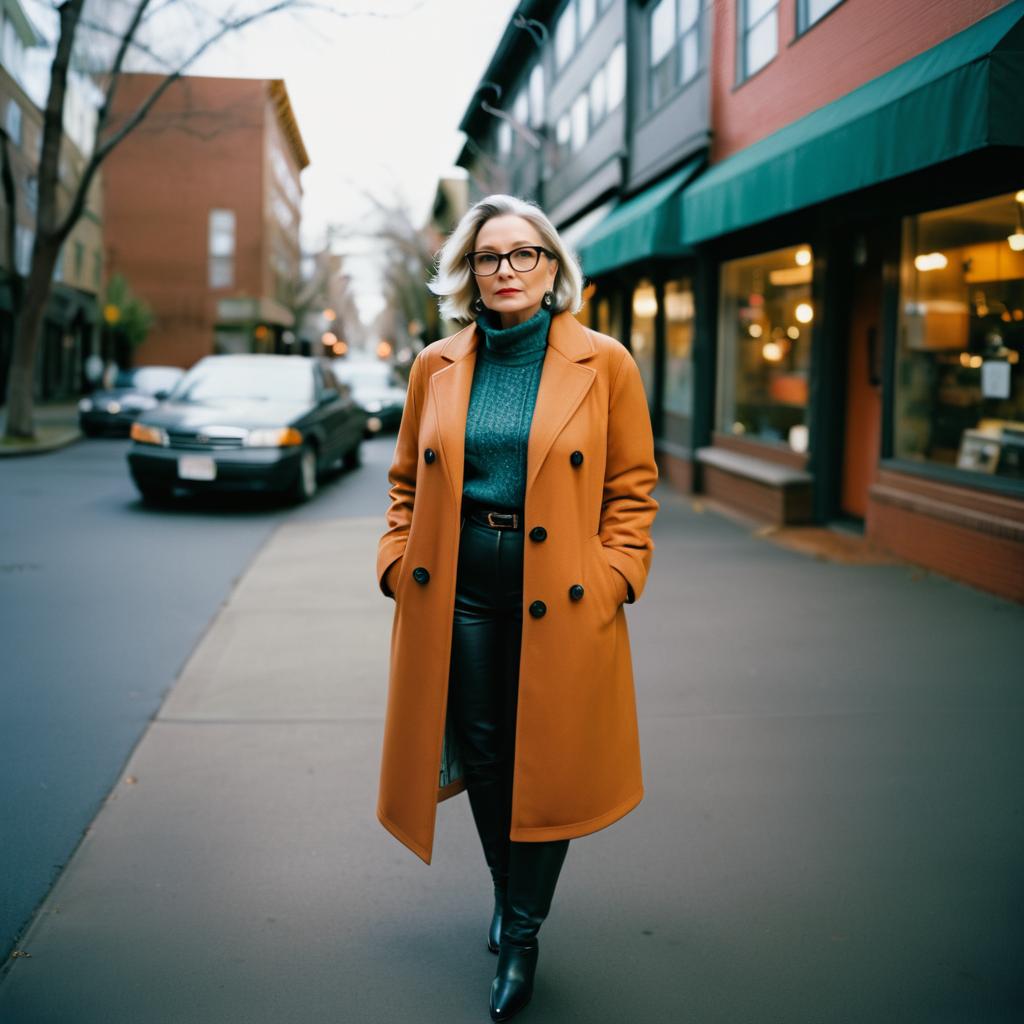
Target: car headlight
{"points": [[149, 435], [375, 406], [85, 405], [273, 437], [113, 408]]}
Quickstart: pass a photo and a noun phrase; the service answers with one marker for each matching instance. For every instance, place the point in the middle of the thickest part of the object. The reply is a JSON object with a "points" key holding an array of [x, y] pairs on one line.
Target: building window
{"points": [[97, 269], [12, 54], [641, 337], [79, 261], [565, 35], [616, 76], [504, 138], [222, 248], [285, 178], [674, 47], [521, 107], [580, 122], [809, 12], [563, 133], [284, 213], [759, 35], [537, 96], [12, 122], [766, 319], [959, 394], [586, 16], [679, 316]]}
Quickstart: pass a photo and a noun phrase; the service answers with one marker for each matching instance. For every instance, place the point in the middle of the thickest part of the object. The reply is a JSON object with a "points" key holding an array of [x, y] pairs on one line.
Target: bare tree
{"points": [[54, 219]]}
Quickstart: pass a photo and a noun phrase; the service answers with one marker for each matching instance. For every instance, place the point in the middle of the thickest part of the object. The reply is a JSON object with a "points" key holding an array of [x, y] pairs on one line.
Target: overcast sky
{"points": [[378, 100], [378, 94]]}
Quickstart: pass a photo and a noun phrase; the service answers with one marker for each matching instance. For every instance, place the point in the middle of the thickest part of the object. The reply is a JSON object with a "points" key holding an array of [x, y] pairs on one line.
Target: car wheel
{"points": [[353, 457], [306, 480]]}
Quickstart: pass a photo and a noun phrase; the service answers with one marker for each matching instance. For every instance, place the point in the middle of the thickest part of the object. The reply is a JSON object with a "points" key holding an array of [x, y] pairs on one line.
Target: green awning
{"points": [[640, 227], [960, 96]]}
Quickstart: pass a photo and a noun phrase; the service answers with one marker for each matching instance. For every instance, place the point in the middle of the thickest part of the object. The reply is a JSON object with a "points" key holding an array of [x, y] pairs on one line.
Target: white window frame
{"points": [[746, 31]]}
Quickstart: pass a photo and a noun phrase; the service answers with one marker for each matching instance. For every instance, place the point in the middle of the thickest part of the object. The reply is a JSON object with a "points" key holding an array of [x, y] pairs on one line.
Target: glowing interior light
{"points": [[803, 257], [755, 330], [772, 351], [930, 261], [804, 313], [793, 332], [1016, 241]]}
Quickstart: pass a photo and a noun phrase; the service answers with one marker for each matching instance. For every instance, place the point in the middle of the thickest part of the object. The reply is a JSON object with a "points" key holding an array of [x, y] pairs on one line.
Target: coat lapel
{"points": [[563, 385]]}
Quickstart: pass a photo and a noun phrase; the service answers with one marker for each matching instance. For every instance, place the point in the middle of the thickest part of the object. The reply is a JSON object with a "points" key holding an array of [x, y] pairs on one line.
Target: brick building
{"points": [[203, 205], [70, 331], [805, 218]]}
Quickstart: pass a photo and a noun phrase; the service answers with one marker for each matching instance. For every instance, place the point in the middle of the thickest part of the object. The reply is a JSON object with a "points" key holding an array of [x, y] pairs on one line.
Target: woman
{"points": [[521, 483]]}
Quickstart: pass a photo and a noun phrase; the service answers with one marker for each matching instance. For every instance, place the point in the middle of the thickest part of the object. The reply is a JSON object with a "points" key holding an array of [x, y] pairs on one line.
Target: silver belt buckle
{"points": [[492, 516]]}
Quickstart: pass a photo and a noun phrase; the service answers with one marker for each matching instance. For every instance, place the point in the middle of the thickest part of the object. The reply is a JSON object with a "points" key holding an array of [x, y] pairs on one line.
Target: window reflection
{"points": [[767, 316], [959, 381]]}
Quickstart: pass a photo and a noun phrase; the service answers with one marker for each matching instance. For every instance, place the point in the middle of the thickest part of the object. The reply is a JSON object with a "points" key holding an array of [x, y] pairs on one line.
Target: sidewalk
{"points": [[832, 830], [56, 426]]}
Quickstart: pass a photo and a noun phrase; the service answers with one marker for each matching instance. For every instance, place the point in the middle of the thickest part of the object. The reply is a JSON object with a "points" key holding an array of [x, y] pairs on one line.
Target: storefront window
{"points": [[678, 361], [645, 309], [767, 315], [959, 377]]}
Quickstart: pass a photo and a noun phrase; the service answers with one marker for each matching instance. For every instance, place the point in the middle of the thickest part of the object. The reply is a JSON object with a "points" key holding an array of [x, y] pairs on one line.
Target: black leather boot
{"points": [[494, 932], [532, 876], [490, 813]]}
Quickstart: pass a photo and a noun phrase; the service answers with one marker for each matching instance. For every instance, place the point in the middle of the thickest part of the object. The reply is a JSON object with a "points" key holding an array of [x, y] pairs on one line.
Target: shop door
{"points": [[863, 388]]}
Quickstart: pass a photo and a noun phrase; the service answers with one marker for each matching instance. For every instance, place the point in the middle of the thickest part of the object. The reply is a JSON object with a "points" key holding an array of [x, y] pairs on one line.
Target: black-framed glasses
{"points": [[521, 259]]}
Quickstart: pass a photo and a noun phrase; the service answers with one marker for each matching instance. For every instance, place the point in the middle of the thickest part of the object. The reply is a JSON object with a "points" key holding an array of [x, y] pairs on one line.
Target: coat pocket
{"points": [[603, 579]]}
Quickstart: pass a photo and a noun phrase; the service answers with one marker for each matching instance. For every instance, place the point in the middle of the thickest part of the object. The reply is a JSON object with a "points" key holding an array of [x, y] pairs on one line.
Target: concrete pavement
{"points": [[833, 829]]}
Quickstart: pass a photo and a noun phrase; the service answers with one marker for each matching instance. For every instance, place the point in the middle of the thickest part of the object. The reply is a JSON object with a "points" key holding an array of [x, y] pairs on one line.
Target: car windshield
{"points": [[275, 380], [362, 375], [150, 379]]}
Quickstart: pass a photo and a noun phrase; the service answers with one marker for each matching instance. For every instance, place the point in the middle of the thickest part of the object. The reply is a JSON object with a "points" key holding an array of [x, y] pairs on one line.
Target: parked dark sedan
{"points": [[376, 388], [247, 423], [113, 410]]}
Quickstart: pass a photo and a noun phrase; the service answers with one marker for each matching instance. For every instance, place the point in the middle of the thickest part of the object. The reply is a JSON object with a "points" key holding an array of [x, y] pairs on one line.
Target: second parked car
{"points": [[113, 410], [247, 423]]}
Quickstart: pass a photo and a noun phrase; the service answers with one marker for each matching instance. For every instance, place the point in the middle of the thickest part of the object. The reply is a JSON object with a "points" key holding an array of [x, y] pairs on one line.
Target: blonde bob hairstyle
{"points": [[453, 281]]}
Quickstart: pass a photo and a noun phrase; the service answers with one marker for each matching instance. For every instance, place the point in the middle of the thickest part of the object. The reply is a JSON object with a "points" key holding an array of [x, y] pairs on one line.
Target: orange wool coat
{"points": [[590, 473]]}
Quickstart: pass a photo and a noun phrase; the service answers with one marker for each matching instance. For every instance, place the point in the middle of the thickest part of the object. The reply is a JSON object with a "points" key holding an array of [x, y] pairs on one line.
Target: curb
{"points": [[52, 444]]}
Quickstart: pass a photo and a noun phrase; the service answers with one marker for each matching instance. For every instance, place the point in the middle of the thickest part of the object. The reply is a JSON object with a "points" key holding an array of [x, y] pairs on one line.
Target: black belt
{"points": [[497, 519]]}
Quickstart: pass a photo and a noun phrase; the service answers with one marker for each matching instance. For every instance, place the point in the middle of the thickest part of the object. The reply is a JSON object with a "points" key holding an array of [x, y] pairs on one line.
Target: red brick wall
{"points": [[857, 41], [200, 148], [973, 536]]}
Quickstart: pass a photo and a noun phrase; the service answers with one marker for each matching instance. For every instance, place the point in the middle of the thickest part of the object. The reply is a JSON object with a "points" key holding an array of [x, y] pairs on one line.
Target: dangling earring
{"points": [[478, 303], [549, 300]]}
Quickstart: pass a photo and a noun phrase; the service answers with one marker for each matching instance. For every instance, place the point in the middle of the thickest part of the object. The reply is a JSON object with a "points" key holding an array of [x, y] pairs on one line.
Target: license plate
{"points": [[197, 467]]}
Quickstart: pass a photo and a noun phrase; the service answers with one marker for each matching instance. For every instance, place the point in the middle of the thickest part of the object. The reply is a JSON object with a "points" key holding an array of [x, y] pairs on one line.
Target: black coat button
{"points": [[576, 458], [575, 592], [538, 533], [429, 455], [537, 609], [420, 575]]}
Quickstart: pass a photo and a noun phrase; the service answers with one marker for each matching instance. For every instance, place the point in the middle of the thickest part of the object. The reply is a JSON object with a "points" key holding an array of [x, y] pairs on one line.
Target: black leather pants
{"points": [[483, 689]]}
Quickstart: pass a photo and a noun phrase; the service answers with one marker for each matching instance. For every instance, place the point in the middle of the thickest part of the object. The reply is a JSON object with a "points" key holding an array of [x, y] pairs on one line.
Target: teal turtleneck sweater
{"points": [[501, 403]]}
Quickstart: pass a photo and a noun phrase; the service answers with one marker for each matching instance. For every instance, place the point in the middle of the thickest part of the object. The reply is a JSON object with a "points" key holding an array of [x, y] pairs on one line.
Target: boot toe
{"points": [[513, 984]]}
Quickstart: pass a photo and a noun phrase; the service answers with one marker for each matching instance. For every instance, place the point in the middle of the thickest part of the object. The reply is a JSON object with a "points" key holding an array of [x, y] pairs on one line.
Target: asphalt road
{"points": [[102, 599]]}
